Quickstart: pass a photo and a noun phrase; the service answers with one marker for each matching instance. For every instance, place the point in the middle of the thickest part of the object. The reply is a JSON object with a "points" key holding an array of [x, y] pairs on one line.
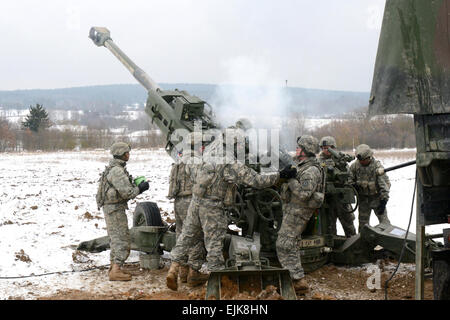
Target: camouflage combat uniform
{"points": [[301, 196], [180, 189], [206, 212], [372, 187], [337, 210], [119, 188]]}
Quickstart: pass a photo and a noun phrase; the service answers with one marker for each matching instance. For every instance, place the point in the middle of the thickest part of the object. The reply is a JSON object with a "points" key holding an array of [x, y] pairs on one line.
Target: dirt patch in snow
{"points": [[88, 216], [22, 256], [351, 284]]}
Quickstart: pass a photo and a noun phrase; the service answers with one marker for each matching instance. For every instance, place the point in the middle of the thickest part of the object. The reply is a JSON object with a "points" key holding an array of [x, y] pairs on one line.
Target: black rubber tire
{"points": [[147, 214]]}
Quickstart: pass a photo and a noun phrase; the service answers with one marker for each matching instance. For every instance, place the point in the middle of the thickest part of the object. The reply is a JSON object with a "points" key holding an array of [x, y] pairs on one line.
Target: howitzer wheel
{"points": [[147, 214]]}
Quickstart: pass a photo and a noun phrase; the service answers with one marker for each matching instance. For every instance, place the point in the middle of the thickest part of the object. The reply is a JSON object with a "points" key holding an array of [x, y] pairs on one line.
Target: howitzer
{"points": [[258, 213]]}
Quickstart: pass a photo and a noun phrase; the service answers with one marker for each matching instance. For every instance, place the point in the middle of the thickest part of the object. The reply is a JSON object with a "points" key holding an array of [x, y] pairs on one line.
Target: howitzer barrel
{"points": [[166, 116], [101, 37], [409, 163]]}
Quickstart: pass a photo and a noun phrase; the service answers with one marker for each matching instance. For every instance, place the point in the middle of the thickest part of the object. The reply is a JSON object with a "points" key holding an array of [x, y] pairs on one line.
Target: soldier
{"points": [[372, 185], [115, 188], [301, 196], [180, 189], [206, 212], [336, 208]]}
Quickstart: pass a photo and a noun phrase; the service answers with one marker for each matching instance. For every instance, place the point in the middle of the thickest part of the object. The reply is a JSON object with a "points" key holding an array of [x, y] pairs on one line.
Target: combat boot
{"points": [[196, 278], [184, 270], [301, 286], [115, 274], [172, 276]]}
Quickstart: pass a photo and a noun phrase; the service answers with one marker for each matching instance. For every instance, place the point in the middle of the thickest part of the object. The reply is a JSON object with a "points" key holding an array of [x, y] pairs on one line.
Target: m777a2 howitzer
{"points": [[252, 261]]}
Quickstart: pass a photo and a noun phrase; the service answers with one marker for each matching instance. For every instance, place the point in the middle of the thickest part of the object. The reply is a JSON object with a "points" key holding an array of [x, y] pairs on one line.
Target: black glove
{"points": [[382, 206], [143, 186], [288, 172]]}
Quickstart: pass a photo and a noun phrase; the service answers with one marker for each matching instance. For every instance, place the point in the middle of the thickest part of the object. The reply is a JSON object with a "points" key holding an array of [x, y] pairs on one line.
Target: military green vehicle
{"points": [[257, 214], [412, 76]]}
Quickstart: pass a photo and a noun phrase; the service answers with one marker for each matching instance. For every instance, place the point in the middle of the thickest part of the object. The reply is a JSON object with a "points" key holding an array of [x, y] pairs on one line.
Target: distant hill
{"points": [[93, 98], [112, 98]]}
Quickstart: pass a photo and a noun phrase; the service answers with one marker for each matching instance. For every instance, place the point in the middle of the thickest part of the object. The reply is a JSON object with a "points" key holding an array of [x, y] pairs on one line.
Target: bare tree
{"points": [[7, 136]]}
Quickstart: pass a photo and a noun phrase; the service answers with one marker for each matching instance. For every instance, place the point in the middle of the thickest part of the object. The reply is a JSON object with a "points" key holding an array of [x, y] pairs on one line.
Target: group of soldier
{"points": [[201, 188], [370, 181]]}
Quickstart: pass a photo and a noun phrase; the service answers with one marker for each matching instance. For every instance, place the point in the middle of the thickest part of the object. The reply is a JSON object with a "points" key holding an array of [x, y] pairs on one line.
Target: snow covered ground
{"points": [[47, 207]]}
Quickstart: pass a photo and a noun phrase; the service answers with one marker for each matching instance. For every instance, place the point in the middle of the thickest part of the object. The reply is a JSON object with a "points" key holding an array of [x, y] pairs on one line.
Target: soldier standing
{"points": [[115, 188], [180, 189], [206, 212], [301, 196], [336, 208], [372, 185]]}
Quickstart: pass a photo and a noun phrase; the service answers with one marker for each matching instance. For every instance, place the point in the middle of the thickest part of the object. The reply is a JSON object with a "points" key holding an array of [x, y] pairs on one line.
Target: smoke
{"points": [[250, 91]]}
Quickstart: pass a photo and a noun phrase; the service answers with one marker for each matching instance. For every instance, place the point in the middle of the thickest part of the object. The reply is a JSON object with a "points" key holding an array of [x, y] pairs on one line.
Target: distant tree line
{"points": [[389, 131], [381, 132], [106, 120], [36, 133]]}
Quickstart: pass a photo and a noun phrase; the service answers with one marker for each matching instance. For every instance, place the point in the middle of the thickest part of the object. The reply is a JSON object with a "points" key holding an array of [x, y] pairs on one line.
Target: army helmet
{"points": [[120, 148], [328, 141], [309, 144], [363, 151]]}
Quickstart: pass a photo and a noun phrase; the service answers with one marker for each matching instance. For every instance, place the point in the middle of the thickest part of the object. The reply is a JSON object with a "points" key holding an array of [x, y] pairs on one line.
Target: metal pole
{"points": [[420, 245], [402, 165]]}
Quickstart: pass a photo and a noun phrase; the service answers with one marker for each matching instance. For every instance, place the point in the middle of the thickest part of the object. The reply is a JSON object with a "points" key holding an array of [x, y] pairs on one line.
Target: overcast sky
{"points": [[325, 44]]}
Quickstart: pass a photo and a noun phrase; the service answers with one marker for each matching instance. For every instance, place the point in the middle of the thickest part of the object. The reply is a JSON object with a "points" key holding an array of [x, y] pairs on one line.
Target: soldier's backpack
{"points": [[103, 186]]}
